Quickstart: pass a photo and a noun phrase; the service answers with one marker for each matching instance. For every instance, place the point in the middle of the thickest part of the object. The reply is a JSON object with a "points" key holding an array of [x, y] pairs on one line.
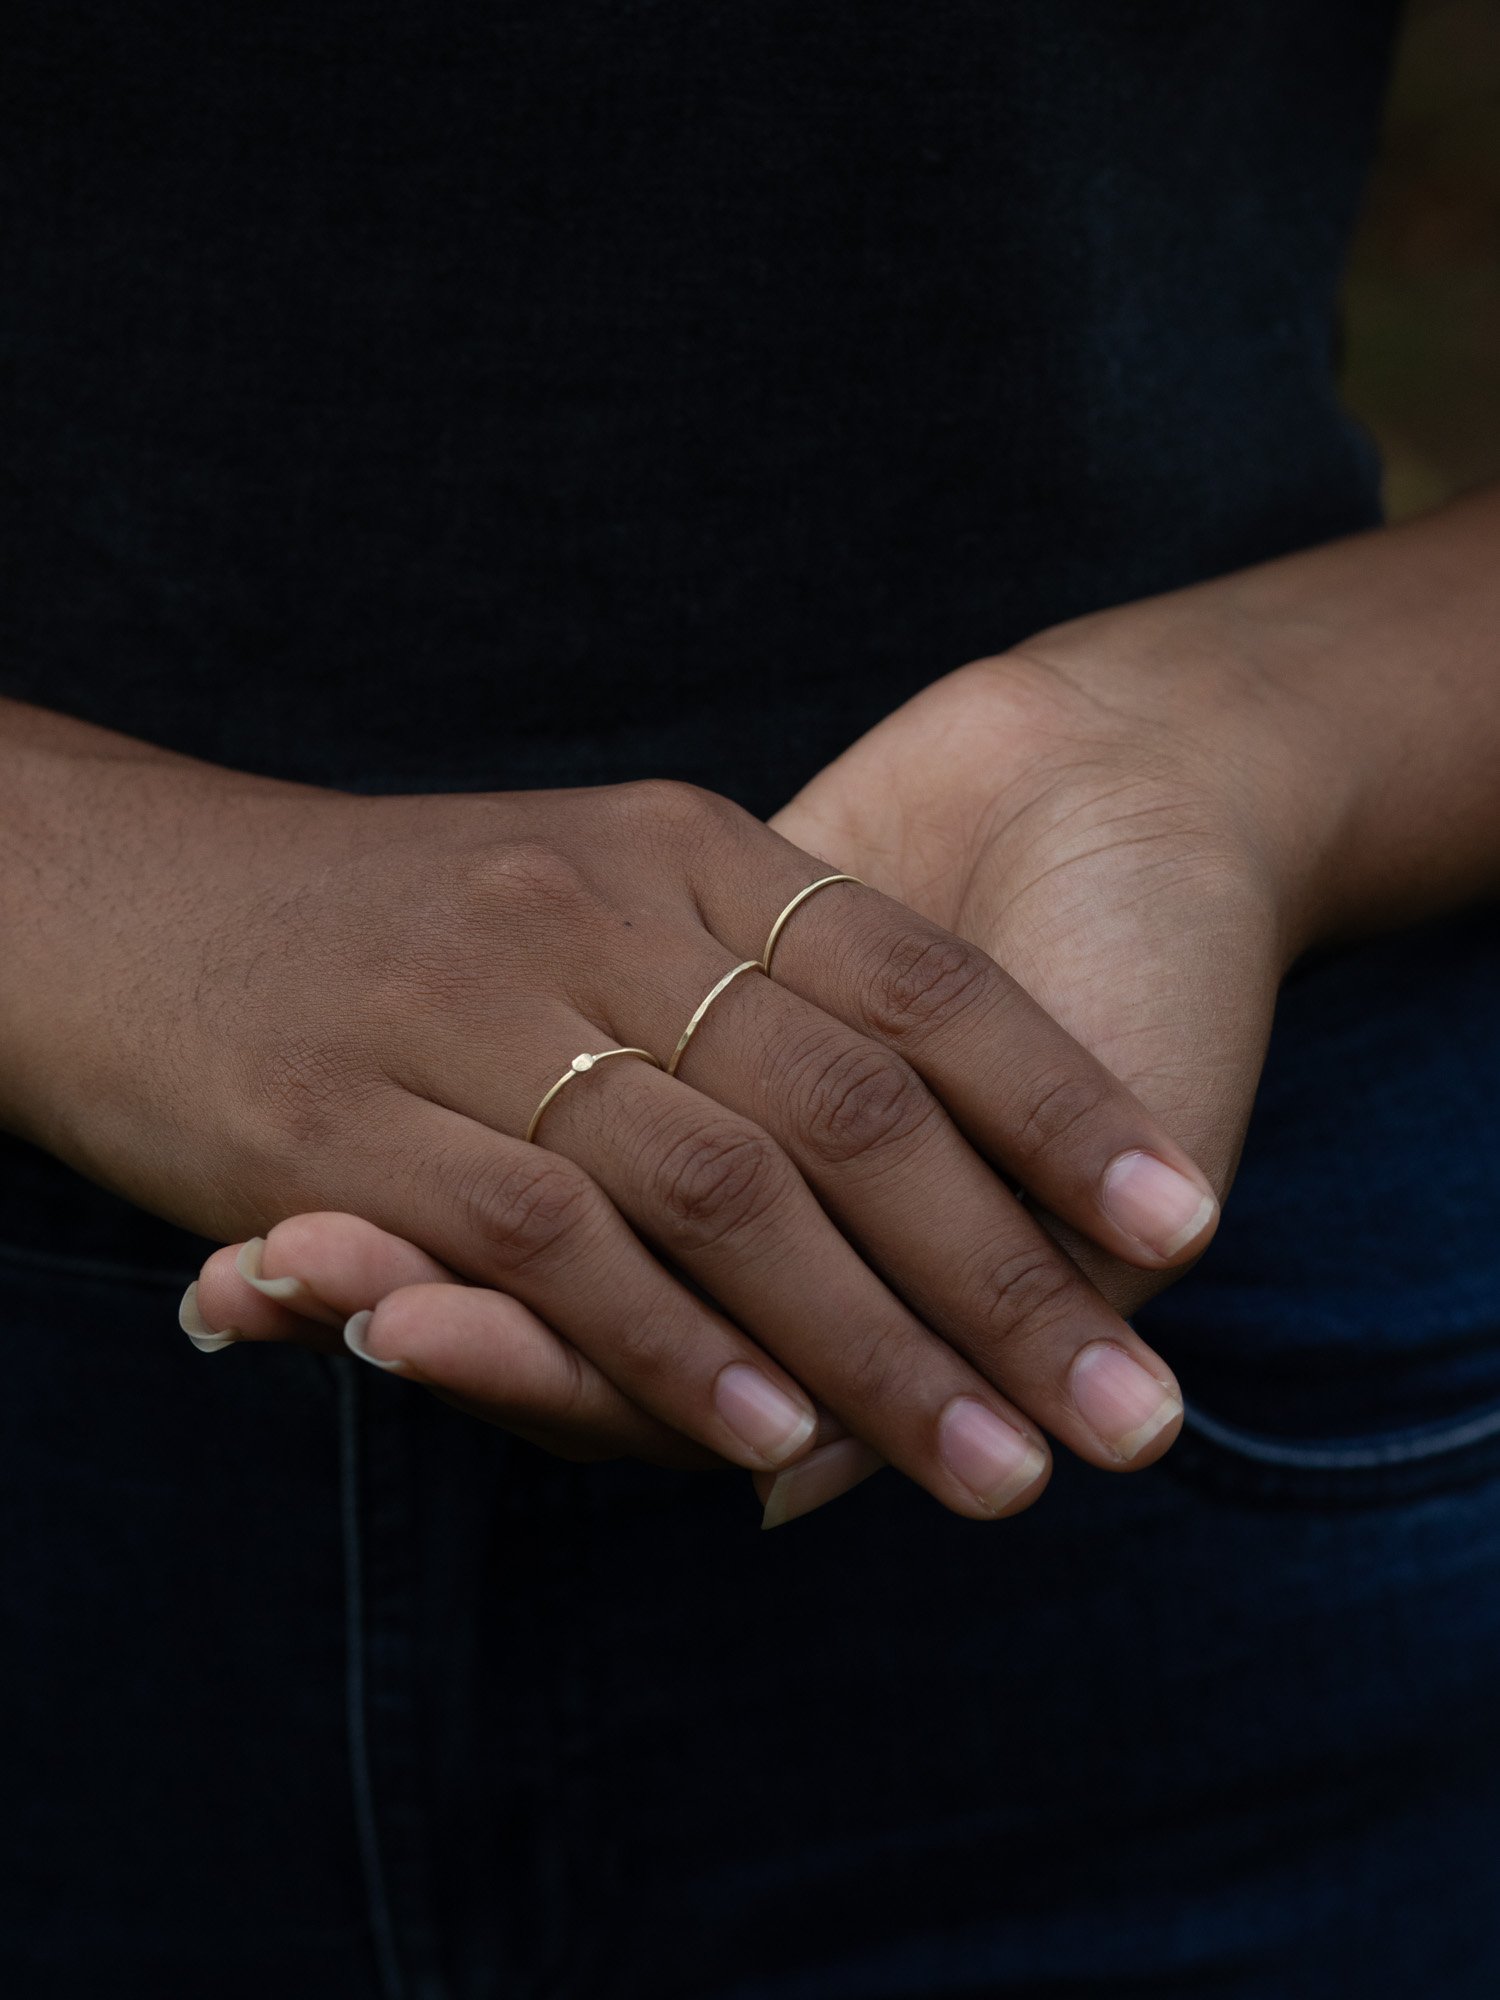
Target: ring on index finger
{"points": [[824, 882]]}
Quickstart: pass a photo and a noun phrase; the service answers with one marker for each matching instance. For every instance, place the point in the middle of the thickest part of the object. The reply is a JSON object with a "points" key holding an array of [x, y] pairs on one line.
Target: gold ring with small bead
{"points": [[580, 1066]]}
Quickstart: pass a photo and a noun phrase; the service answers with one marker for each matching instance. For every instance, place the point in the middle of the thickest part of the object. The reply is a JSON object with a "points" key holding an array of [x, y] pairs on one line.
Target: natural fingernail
{"points": [[355, 1331], [992, 1459], [826, 1474], [290, 1291], [1155, 1204], [762, 1417], [196, 1327], [1119, 1400]]}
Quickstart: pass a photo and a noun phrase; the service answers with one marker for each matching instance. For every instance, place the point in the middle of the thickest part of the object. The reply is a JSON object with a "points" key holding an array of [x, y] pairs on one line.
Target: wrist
{"points": [[1199, 685], [107, 845], [1350, 697]]}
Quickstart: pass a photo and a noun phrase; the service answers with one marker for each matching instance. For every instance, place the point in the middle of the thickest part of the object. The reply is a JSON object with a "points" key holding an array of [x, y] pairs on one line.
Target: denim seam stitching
{"points": [[382, 1925], [1402, 1448]]}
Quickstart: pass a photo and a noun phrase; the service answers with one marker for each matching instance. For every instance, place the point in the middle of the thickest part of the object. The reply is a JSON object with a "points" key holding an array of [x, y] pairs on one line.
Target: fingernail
{"points": [[1155, 1204], [826, 1474], [355, 1330], [1119, 1400], [197, 1329], [986, 1455], [762, 1417], [288, 1290]]}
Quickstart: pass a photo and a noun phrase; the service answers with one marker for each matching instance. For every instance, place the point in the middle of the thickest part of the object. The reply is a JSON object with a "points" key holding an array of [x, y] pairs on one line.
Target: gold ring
{"points": [[801, 897], [580, 1066], [748, 965]]}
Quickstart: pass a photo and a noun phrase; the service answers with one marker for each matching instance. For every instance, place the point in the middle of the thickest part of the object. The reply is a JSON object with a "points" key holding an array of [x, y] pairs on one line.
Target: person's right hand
{"points": [[243, 999], [321, 1281]]}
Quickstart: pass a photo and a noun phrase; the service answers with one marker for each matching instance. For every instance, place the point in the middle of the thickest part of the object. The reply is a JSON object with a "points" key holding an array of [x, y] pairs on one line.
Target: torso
{"points": [[551, 393]]}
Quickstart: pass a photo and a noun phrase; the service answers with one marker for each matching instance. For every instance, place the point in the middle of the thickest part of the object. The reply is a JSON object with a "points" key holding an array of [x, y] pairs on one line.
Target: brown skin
{"points": [[232, 999], [1145, 816]]}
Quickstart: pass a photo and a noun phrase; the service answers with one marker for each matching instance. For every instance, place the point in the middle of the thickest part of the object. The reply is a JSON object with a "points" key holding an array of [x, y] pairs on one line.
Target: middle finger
{"points": [[936, 1220]]}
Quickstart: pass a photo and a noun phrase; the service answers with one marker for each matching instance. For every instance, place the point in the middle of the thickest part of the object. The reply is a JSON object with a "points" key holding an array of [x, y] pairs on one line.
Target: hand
{"points": [[1141, 824], [349, 1003], [1146, 815], [320, 1280], [1121, 844], [1119, 847]]}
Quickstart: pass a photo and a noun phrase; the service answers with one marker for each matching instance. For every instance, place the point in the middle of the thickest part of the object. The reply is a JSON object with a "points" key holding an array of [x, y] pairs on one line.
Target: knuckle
{"points": [[526, 1212], [1022, 1292], [669, 806], [518, 909], [527, 878], [861, 1099], [925, 982], [1060, 1106], [568, 1392], [719, 1180], [645, 1351]]}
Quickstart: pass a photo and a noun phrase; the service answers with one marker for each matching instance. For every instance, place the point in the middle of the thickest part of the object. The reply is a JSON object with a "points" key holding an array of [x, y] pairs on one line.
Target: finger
{"points": [[220, 1308], [303, 1279], [350, 1264], [330, 1265], [1031, 1098], [335, 1265], [711, 1194], [530, 1224], [1190, 1043], [725, 1206], [869, 1135], [527, 1380], [493, 1358], [932, 1216]]}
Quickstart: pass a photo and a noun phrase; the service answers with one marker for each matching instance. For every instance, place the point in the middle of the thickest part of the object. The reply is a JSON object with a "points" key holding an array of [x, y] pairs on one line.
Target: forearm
{"points": [[58, 826], [101, 840], [1356, 684]]}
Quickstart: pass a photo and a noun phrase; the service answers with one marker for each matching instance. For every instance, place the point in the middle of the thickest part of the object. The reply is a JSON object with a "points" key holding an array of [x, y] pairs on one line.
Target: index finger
{"points": [[1034, 1101]]}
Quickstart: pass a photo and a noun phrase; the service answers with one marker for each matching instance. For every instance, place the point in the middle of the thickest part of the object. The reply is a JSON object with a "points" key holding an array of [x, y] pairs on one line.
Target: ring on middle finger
{"points": [[746, 965]]}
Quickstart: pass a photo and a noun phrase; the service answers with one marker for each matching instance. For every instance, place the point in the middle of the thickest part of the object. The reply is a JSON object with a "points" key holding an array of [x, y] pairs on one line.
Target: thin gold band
{"points": [[801, 897], [748, 965], [579, 1066]]}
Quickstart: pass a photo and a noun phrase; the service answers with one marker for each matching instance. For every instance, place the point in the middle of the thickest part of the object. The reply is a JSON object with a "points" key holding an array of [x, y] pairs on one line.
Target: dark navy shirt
{"points": [[539, 393], [520, 393]]}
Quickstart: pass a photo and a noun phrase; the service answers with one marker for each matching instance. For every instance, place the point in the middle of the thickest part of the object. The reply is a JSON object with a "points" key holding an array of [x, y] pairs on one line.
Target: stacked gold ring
{"points": [[761, 964], [582, 1064], [745, 965], [823, 882]]}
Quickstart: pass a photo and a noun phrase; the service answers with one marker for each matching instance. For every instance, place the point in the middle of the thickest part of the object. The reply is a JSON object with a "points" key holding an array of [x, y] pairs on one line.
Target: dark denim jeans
{"points": [[315, 1689]]}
